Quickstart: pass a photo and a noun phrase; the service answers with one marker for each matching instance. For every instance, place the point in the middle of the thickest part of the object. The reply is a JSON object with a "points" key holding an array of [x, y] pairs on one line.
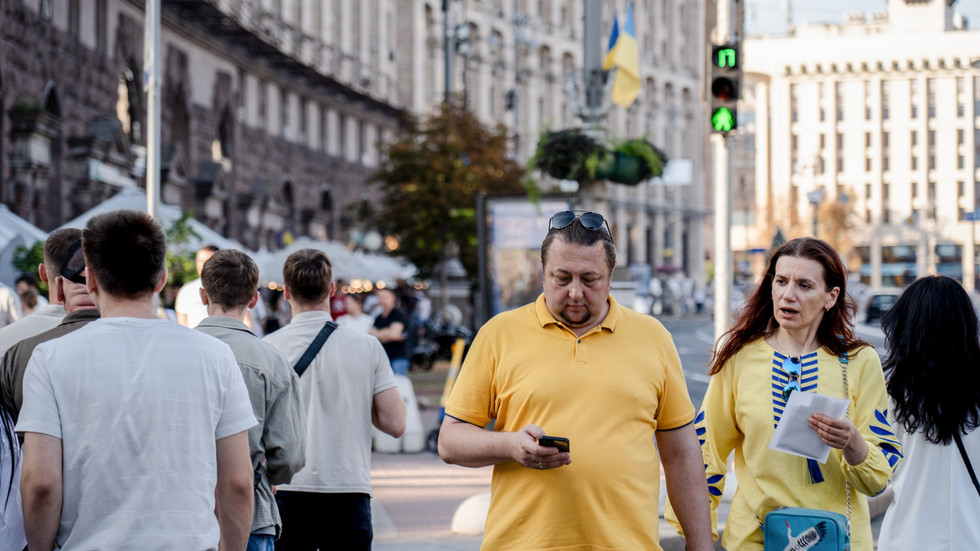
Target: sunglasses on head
{"points": [[592, 221]]}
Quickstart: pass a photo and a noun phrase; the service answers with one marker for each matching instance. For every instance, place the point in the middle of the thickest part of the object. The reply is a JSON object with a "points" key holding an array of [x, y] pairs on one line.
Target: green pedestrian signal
{"points": [[727, 57], [723, 87], [723, 120]]}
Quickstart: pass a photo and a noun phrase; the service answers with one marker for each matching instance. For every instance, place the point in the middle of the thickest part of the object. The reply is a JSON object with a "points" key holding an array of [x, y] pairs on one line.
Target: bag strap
{"points": [[314, 348], [847, 485], [966, 459]]}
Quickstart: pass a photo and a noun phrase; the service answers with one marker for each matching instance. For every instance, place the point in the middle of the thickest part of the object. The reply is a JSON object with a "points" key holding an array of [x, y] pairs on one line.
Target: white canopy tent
{"points": [[347, 265], [15, 232], [135, 198]]}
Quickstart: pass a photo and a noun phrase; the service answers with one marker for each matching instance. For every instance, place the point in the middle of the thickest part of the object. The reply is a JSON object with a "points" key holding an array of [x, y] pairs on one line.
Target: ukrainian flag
{"points": [[624, 54]]}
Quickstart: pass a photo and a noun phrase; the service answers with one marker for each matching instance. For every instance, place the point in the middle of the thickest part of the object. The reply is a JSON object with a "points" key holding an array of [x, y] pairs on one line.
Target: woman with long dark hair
{"points": [[795, 335], [933, 370], [11, 512]]}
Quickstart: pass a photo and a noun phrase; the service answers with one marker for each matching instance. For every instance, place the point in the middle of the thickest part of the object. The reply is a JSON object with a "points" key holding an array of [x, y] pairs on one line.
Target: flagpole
{"points": [[151, 82]]}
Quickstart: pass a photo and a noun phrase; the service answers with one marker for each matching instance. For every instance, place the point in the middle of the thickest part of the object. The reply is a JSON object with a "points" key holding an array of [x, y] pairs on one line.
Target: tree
{"points": [[26, 261], [430, 179]]}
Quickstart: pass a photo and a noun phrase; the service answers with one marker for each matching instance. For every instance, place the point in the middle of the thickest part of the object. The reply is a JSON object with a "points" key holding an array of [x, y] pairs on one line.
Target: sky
{"points": [[766, 16]]}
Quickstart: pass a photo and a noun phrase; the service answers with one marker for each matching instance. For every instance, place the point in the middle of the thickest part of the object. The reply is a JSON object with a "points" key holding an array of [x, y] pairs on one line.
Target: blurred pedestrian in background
{"points": [[576, 364], [389, 327], [795, 335], [354, 316], [933, 370], [190, 310], [30, 295]]}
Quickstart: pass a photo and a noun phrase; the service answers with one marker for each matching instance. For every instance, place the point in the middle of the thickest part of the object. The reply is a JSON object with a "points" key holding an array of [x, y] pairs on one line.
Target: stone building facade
{"points": [[257, 141]]}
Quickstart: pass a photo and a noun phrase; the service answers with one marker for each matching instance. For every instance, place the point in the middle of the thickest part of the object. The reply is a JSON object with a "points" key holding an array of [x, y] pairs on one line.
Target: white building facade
{"points": [[876, 119]]}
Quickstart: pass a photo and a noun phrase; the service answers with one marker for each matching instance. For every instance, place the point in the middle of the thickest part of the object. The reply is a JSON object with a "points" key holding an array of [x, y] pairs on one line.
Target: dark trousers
{"points": [[312, 521]]}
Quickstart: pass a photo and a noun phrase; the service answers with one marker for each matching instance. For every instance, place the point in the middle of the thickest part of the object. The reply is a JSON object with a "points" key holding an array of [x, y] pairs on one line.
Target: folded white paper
{"points": [[793, 433]]}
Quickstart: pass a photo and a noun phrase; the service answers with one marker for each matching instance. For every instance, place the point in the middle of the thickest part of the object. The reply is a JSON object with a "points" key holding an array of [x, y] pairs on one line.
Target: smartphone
{"points": [[554, 442]]}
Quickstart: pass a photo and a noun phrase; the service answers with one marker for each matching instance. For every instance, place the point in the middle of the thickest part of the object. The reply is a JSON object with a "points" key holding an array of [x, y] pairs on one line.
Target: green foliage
{"points": [[180, 265], [26, 261], [567, 155], [653, 159], [430, 178], [574, 155]]}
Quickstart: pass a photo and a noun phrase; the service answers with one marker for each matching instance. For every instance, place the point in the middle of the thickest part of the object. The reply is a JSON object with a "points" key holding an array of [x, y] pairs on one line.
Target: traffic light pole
{"points": [[722, 188]]}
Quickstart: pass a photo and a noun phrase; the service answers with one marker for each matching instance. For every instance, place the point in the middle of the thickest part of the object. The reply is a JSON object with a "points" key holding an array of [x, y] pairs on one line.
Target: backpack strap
{"points": [[314, 348]]}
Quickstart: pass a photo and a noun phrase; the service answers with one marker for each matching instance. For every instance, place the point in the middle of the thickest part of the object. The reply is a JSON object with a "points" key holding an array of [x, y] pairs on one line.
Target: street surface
{"points": [[416, 495]]}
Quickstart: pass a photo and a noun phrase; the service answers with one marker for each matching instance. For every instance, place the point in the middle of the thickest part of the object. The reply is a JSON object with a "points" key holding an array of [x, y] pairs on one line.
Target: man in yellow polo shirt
{"points": [[575, 364]]}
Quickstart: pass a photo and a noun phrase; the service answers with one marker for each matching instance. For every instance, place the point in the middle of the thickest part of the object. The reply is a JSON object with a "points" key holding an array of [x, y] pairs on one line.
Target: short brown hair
{"points": [[56, 248], [308, 274], [126, 250], [230, 278]]}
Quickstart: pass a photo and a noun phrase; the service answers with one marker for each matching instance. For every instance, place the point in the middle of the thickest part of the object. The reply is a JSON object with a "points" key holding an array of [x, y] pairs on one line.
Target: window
{"points": [[867, 164], [794, 142], [960, 162], [823, 114], [342, 136], [915, 112], [932, 138], [884, 139], [886, 215], [867, 216], [932, 191], [932, 162], [960, 188], [915, 163], [867, 191], [915, 190], [823, 141], [960, 136], [839, 139], [840, 164], [323, 129], [960, 110], [884, 162], [263, 105], [73, 18], [45, 9], [867, 139], [283, 113], [885, 98], [931, 96], [101, 39], [915, 137], [302, 121], [867, 113]]}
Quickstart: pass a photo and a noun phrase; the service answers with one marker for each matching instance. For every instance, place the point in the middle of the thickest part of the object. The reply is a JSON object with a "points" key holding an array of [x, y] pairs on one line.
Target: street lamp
{"points": [[815, 197]]}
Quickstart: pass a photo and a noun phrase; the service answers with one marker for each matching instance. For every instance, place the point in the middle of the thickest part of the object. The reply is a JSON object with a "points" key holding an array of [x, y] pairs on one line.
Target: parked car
{"points": [[879, 302]]}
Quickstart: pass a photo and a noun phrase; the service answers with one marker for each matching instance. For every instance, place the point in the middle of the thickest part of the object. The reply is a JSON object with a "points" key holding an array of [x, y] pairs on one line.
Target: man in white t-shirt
{"points": [[348, 387], [189, 307], [134, 427]]}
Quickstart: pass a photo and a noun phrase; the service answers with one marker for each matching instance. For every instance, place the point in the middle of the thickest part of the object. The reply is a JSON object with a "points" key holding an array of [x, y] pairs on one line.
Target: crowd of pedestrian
{"points": [[121, 429], [124, 429]]}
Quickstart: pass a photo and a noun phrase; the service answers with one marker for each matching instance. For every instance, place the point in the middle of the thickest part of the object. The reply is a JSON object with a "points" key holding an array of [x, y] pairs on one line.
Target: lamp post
{"points": [[815, 197]]}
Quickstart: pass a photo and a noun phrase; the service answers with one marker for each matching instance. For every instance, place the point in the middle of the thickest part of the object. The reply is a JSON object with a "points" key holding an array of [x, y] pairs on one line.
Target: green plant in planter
{"points": [[636, 160], [568, 155]]}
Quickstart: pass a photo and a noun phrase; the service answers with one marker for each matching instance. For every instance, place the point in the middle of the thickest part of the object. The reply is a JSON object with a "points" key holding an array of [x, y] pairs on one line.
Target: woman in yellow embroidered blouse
{"points": [[795, 335]]}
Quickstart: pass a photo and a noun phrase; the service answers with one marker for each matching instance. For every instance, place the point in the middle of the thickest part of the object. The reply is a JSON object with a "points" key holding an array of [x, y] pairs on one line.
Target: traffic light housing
{"points": [[725, 76]]}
